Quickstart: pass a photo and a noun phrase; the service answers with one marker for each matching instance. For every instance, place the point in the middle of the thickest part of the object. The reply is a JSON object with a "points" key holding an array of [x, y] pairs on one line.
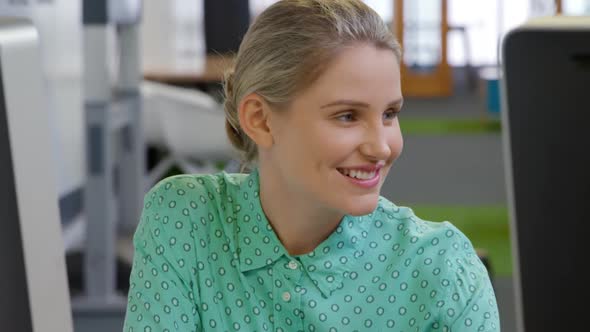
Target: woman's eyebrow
{"points": [[346, 102]]}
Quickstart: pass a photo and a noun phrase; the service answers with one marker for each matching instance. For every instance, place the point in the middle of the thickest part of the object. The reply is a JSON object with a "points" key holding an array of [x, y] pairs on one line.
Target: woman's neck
{"points": [[300, 224]]}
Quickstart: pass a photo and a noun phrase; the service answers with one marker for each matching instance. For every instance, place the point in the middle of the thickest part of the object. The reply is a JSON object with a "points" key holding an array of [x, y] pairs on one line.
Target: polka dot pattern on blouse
{"points": [[206, 259]]}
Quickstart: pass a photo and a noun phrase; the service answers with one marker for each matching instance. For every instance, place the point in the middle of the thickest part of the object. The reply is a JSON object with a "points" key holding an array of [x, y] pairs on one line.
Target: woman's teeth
{"points": [[361, 175]]}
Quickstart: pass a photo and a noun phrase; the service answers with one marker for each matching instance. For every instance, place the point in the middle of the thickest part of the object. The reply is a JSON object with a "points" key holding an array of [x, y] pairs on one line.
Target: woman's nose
{"points": [[376, 145]]}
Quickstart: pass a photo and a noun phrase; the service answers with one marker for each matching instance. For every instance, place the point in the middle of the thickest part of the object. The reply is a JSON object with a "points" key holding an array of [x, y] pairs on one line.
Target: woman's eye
{"points": [[390, 115], [346, 117]]}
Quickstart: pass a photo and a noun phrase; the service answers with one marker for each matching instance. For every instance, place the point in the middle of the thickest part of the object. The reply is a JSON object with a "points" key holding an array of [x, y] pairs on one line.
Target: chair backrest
{"points": [[191, 123], [546, 85], [33, 284]]}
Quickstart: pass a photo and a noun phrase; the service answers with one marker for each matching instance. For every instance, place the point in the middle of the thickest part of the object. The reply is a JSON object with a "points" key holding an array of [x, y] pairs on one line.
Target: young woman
{"points": [[304, 242]]}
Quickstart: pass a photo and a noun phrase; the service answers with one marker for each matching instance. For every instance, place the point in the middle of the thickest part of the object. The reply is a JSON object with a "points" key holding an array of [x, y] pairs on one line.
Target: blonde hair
{"points": [[286, 49]]}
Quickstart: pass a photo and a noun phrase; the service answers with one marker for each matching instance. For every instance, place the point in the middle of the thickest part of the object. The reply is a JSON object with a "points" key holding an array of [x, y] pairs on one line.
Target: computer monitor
{"points": [[226, 23], [546, 117], [33, 285]]}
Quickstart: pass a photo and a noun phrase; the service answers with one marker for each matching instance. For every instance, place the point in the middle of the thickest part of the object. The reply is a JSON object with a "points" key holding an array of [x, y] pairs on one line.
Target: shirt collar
{"points": [[259, 246], [337, 256]]}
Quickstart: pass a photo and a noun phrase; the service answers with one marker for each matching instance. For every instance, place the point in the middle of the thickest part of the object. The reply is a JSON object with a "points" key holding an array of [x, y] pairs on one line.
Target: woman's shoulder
{"points": [[194, 202], [191, 197], [444, 242], [195, 187], [198, 181], [441, 250], [443, 256], [403, 219]]}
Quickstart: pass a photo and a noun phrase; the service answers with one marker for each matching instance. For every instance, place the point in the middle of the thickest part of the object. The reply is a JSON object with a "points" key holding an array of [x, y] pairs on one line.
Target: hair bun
{"points": [[229, 83]]}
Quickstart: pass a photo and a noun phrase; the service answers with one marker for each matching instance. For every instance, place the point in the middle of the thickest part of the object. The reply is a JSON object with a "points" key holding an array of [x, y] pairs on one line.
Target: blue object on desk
{"points": [[491, 77], [493, 96]]}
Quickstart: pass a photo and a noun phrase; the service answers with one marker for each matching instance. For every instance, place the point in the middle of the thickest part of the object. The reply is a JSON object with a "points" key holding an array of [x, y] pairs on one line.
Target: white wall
{"points": [[61, 32], [172, 34], [58, 24]]}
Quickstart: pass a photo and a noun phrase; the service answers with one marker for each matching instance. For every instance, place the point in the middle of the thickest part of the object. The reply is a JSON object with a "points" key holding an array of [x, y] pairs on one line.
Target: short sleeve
{"points": [[471, 293], [162, 295]]}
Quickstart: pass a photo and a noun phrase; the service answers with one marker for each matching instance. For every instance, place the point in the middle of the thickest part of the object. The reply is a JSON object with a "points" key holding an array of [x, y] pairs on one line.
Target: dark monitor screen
{"points": [[547, 127], [226, 23]]}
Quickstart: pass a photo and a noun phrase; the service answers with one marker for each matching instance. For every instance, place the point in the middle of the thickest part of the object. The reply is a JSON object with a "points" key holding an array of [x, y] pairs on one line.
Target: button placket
{"points": [[286, 277]]}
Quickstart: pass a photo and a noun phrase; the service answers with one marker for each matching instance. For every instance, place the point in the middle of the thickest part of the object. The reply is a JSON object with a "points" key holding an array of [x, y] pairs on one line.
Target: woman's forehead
{"points": [[356, 72]]}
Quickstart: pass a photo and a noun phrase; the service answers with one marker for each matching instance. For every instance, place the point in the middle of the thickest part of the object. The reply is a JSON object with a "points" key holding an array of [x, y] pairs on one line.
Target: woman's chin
{"points": [[363, 206]]}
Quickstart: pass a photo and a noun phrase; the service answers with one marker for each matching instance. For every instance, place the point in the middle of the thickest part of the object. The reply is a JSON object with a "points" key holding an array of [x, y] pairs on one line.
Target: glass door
{"points": [[421, 27]]}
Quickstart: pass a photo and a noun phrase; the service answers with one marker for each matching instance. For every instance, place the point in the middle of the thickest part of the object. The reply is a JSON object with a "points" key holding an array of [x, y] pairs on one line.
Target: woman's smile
{"points": [[367, 176]]}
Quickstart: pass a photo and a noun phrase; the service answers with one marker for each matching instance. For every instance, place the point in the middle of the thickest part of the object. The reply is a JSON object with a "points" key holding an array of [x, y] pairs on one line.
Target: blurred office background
{"points": [[451, 169]]}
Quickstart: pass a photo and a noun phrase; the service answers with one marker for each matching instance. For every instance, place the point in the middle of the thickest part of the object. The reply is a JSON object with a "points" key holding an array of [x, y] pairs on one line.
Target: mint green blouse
{"points": [[207, 259]]}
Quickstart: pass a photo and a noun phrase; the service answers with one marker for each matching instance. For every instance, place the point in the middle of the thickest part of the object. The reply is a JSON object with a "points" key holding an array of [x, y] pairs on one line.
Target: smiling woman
{"points": [[305, 241], [313, 144]]}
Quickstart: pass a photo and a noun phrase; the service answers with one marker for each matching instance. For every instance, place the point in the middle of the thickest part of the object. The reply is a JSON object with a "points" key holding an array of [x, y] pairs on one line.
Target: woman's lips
{"points": [[362, 178]]}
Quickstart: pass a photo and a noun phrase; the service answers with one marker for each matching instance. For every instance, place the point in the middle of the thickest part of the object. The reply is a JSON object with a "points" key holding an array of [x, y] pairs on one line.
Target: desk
{"points": [[190, 73]]}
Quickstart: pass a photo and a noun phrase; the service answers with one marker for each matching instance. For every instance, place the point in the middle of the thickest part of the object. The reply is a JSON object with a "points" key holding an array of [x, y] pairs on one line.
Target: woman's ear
{"points": [[254, 115]]}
